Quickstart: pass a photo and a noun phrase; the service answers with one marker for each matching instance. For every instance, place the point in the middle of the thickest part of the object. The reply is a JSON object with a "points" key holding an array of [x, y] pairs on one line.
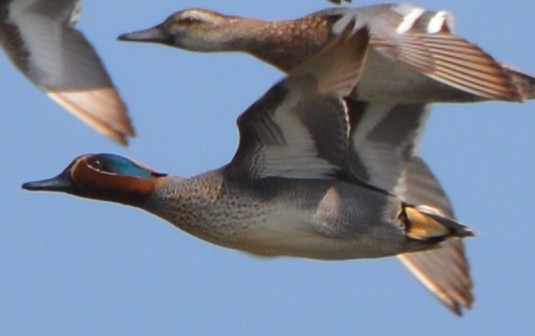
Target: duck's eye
{"points": [[104, 162], [96, 163]]}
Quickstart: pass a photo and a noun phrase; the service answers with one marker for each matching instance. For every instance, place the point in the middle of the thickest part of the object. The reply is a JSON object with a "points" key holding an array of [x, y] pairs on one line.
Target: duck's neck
{"points": [[283, 44], [201, 205], [176, 199]]}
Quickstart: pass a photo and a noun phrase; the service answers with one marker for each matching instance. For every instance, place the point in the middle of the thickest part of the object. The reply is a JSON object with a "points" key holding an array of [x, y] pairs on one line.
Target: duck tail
{"points": [[429, 224]]}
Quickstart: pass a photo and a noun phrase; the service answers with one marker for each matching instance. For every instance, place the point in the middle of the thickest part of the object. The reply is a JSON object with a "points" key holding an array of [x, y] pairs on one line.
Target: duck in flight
{"points": [[40, 38], [415, 56], [289, 190], [415, 59]]}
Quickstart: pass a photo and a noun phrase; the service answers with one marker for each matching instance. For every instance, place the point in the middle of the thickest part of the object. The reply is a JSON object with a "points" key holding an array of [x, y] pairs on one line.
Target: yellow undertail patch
{"points": [[423, 227]]}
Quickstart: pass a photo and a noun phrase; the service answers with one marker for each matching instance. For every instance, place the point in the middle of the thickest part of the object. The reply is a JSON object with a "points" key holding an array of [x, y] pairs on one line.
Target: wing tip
{"points": [[456, 295], [115, 123]]}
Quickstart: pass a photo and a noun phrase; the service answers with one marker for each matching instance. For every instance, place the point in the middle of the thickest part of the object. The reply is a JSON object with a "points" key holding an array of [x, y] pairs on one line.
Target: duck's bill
{"points": [[60, 183], [154, 34]]}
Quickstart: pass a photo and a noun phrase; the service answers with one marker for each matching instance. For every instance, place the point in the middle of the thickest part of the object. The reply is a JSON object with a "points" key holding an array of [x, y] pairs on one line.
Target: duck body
{"points": [[327, 219], [273, 216]]}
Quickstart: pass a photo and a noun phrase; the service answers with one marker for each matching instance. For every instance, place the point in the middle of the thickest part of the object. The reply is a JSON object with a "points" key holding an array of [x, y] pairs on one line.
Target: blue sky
{"points": [[74, 266]]}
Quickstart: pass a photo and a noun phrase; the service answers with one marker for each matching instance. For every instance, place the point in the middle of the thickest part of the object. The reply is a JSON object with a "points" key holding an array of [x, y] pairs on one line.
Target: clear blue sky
{"points": [[70, 266]]}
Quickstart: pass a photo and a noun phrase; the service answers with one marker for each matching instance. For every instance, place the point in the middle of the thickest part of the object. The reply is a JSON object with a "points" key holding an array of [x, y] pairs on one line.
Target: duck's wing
{"points": [[384, 140], [299, 128], [445, 272], [424, 42], [384, 136], [40, 39]]}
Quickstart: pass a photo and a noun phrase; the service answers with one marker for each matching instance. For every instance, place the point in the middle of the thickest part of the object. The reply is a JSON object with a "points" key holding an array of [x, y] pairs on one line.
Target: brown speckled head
{"points": [[104, 177], [198, 29]]}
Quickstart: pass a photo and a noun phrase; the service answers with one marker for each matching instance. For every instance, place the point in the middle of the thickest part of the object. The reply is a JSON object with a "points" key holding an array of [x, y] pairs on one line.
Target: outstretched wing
{"points": [[300, 127], [445, 271], [384, 141], [40, 39], [424, 41]]}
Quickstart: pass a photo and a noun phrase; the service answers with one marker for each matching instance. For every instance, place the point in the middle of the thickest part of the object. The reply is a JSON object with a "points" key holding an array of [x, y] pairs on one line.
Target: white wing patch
{"points": [[408, 20], [440, 20]]}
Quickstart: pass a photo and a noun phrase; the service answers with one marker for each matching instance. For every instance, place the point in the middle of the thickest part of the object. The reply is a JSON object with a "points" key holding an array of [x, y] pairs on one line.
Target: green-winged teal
{"points": [[289, 190], [415, 60], [415, 56]]}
